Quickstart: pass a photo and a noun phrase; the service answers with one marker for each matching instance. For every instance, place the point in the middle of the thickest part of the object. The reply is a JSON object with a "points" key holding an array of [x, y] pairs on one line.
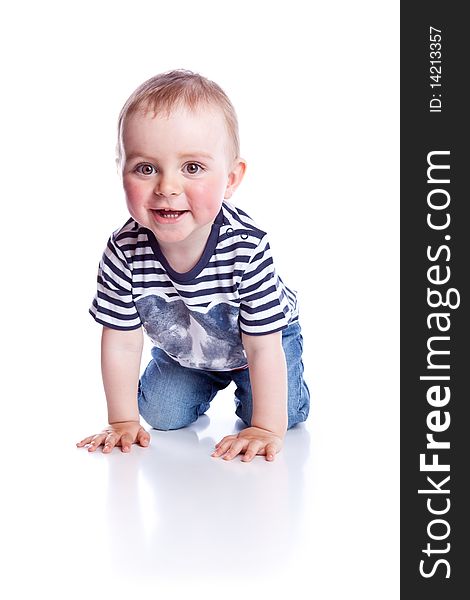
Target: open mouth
{"points": [[169, 213]]}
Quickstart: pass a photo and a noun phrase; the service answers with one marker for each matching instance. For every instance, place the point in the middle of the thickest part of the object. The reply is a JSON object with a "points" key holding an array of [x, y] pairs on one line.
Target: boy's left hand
{"points": [[251, 441]]}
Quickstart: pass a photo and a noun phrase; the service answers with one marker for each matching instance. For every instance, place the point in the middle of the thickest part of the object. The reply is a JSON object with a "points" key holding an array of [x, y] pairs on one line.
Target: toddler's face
{"points": [[177, 170]]}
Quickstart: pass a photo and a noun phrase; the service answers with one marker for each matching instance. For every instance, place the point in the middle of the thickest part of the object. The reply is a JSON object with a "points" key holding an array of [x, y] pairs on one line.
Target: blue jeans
{"points": [[171, 396]]}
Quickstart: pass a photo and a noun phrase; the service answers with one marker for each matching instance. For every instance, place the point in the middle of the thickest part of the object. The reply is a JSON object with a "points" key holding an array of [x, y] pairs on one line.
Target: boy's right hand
{"points": [[122, 434]]}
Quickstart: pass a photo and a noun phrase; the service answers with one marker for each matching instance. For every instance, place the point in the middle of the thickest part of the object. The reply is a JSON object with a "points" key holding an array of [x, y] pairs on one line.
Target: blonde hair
{"points": [[165, 91]]}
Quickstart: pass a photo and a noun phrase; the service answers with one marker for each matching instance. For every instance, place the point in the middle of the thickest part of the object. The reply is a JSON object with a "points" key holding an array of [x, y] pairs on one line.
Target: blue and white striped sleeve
{"points": [[113, 305], [264, 303]]}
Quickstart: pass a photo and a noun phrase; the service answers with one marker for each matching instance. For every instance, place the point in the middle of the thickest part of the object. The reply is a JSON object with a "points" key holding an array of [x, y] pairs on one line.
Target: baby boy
{"points": [[196, 273]]}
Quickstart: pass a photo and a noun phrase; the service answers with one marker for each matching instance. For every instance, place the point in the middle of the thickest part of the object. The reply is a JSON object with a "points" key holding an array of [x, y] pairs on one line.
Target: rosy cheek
{"points": [[207, 191], [132, 188]]}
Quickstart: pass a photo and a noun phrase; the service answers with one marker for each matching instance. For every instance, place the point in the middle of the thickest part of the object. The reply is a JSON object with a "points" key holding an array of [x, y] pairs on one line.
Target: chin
{"points": [[169, 236]]}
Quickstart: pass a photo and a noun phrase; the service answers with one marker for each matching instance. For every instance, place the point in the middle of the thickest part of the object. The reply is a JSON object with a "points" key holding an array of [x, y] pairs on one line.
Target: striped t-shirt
{"points": [[195, 317]]}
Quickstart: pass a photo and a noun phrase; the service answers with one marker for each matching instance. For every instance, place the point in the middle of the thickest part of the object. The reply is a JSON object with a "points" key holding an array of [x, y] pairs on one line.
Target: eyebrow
{"points": [[195, 154]]}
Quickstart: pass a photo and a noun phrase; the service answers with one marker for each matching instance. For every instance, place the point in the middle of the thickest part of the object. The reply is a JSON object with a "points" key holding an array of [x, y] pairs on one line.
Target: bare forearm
{"points": [[268, 377], [121, 353]]}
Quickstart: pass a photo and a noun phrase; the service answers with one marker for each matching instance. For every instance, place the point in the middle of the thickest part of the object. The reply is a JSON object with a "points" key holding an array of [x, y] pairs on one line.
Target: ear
{"points": [[235, 177], [119, 160]]}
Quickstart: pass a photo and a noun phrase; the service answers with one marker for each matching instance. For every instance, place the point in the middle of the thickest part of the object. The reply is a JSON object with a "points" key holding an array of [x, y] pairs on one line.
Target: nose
{"points": [[167, 185]]}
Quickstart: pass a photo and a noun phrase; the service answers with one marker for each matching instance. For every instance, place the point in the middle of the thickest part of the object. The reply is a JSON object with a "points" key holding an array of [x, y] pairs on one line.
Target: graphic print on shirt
{"points": [[197, 317], [194, 339]]}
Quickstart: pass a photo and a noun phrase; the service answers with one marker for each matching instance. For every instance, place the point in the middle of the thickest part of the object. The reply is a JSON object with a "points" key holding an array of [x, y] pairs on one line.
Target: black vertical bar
{"points": [[435, 259]]}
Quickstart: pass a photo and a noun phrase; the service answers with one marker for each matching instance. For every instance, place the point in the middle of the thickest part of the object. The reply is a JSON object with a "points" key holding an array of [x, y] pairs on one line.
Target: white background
{"points": [[315, 86]]}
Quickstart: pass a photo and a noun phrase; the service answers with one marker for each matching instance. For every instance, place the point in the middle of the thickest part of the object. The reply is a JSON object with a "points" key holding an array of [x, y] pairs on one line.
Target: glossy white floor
{"points": [[170, 519], [172, 513]]}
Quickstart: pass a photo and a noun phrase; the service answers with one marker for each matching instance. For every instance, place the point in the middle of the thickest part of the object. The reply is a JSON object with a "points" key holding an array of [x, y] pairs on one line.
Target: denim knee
{"points": [[171, 396], [158, 416]]}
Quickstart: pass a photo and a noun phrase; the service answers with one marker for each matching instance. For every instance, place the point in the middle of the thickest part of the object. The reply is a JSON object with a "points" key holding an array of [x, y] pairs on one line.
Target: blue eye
{"points": [[145, 169]]}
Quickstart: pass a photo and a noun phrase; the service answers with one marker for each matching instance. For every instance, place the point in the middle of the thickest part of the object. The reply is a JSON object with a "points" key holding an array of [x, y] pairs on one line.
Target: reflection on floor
{"points": [[172, 511]]}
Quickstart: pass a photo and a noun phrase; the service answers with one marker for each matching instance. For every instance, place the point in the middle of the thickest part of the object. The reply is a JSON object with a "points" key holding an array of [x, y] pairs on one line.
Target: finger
{"points": [[143, 437], [222, 447], [252, 450], [235, 449], [110, 442], [271, 451], [86, 440], [96, 441], [126, 442], [227, 438]]}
